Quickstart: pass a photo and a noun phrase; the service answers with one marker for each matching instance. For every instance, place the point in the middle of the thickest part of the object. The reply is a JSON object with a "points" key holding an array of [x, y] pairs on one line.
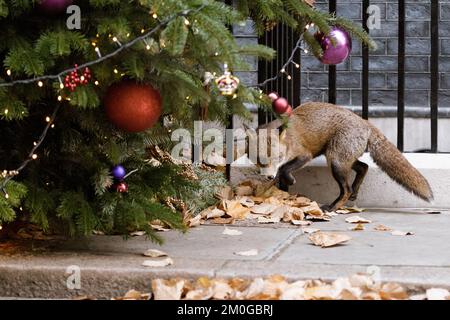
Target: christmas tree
{"points": [[59, 141]]}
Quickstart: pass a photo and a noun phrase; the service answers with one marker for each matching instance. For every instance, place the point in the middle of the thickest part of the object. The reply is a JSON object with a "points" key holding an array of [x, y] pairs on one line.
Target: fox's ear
{"points": [[283, 136]]}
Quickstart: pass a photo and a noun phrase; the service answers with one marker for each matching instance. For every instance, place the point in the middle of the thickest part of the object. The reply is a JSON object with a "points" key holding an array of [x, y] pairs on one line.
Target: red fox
{"points": [[316, 129]]}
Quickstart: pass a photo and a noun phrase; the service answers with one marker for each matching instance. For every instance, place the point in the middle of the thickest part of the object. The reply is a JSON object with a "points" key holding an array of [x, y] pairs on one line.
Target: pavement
{"points": [[109, 266]]}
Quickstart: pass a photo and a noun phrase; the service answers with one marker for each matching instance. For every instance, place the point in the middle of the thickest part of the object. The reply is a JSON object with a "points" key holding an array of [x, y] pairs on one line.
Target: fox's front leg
{"points": [[285, 172]]}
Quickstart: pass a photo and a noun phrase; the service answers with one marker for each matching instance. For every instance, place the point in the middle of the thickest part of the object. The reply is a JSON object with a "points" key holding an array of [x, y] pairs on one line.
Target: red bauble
{"points": [[122, 187], [133, 107], [280, 105], [54, 7]]}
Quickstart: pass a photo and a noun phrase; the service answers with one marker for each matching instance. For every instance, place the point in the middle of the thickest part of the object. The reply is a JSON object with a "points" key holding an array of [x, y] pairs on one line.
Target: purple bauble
{"points": [[54, 7], [119, 172], [339, 51]]}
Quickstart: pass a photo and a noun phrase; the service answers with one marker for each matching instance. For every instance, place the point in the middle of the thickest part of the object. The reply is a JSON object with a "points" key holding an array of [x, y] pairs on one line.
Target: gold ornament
{"points": [[227, 83]]}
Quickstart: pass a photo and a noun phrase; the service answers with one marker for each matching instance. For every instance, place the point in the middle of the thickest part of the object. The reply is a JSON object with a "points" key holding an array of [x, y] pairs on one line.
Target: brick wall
{"points": [[383, 62]]}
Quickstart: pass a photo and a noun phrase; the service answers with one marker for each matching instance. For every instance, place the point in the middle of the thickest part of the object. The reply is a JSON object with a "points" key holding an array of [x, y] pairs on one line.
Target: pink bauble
{"points": [[280, 105], [273, 96], [53, 7], [337, 52]]}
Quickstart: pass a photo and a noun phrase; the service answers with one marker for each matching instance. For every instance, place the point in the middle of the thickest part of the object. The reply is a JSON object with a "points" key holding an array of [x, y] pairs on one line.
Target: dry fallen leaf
{"points": [[357, 219], [264, 208], [231, 232], [393, 291], [310, 230], [380, 227], [155, 253], [347, 210], [158, 263], [167, 289], [358, 227], [402, 233], [313, 210], [137, 233], [252, 252], [235, 209], [215, 213], [158, 227], [328, 239], [195, 221], [223, 220], [264, 220], [301, 223], [247, 202], [136, 295], [437, 294]]}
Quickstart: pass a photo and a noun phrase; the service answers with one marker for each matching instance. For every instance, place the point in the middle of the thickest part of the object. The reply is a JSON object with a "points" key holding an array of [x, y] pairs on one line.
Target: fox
{"points": [[318, 128]]}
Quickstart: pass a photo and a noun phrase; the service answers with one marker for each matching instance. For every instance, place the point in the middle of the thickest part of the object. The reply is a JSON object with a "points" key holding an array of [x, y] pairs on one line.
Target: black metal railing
{"points": [[283, 40]]}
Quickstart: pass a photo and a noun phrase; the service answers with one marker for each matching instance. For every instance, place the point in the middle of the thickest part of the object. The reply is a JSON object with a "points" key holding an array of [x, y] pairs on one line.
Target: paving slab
{"points": [[110, 266]]}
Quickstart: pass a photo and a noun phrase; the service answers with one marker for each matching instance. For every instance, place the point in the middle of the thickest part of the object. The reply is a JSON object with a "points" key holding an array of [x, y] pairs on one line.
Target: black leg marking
{"points": [[285, 171], [361, 170]]}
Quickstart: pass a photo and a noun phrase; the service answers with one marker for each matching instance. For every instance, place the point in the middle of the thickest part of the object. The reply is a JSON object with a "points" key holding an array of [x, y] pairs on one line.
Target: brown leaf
{"points": [[154, 253], [313, 210], [358, 227], [301, 222], [158, 263], [264, 220], [195, 221], [264, 208], [235, 209], [357, 219], [328, 239], [215, 213], [167, 289], [380, 227], [393, 291], [223, 220], [247, 202]]}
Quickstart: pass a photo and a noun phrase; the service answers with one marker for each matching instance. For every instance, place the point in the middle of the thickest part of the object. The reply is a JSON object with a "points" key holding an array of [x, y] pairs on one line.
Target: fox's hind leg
{"points": [[361, 170], [341, 174]]}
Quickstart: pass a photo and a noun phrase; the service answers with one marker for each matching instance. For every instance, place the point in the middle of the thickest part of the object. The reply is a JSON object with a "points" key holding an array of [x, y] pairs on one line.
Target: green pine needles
{"points": [[68, 186]]}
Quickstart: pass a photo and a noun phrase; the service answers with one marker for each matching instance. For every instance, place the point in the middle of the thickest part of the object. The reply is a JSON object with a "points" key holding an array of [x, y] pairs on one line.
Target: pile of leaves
{"points": [[356, 287]]}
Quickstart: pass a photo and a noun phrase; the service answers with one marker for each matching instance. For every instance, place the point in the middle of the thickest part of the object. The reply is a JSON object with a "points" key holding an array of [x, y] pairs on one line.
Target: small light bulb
{"points": [[40, 84], [234, 96], [283, 70], [128, 35], [216, 54], [96, 83], [142, 30], [52, 126], [186, 22], [115, 39], [82, 78], [47, 119], [35, 143], [116, 71], [6, 196], [8, 72], [59, 98], [6, 111], [289, 77], [34, 156], [61, 86], [94, 44], [155, 16], [147, 47], [305, 51], [297, 65]]}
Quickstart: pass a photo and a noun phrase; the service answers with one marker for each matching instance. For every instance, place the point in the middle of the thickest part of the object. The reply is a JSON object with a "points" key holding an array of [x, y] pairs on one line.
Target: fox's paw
{"points": [[326, 208], [353, 197]]}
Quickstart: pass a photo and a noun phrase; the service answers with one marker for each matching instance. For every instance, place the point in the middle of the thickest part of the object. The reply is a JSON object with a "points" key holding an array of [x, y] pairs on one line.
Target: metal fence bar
{"points": [[365, 70], [434, 95], [401, 76], [332, 69]]}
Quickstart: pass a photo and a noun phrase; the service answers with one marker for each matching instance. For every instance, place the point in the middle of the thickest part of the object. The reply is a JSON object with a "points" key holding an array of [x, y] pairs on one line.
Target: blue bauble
{"points": [[119, 172]]}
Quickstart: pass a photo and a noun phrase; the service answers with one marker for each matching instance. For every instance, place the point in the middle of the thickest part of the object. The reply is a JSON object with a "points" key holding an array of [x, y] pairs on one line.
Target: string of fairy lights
{"points": [[7, 175]]}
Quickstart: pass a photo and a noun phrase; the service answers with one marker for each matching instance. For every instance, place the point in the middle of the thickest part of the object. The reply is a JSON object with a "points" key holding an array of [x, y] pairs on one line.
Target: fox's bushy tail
{"points": [[391, 161]]}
